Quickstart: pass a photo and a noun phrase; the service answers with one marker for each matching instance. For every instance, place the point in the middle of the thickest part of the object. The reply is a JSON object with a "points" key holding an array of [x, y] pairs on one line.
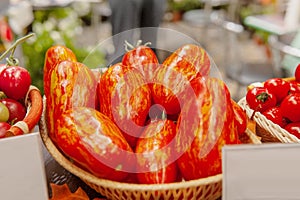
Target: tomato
{"points": [[293, 128], [290, 107], [125, 98], [144, 59], [3, 128], [15, 82], [279, 87], [297, 73], [17, 111], [155, 161], [175, 74], [260, 99], [275, 115], [95, 143], [53, 56], [4, 113], [294, 87], [205, 125], [240, 117], [71, 84]]}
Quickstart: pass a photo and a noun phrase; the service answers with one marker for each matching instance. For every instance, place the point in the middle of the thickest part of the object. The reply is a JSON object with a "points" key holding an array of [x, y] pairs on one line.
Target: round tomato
{"points": [[4, 113], [260, 99], [297, 73], [17, 111], [290, 107], [3, 128], [294, 87], [279, 87], [275, 115], [293, 128]]}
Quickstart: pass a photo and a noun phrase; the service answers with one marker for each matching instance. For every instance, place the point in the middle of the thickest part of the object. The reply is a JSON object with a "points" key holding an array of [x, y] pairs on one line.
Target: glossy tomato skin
{"points": [[275, 115], [53, 56], [17, 111], [125, 98], [3, 128], [290, 107], [240, 117], [293, 128], [93, 141], [279, 87], [144, 59], [175, 74], [294, 87], [297, 73], [154, 150], [205, 125], [72, 84], [260, 99], [15, 82]]}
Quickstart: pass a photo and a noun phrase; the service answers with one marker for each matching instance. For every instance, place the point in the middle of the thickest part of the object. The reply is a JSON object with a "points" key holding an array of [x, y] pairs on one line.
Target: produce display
{"points": [[20, 102], [278, 99], [141, 121]]}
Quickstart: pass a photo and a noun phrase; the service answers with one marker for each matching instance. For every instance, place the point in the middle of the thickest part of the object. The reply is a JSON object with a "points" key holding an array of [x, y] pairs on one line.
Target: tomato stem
{"points": [[11, 60], [129, 46]]}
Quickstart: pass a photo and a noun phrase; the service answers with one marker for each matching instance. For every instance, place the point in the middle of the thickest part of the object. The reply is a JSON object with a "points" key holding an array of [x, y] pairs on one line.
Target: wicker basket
{"points": [[266, 129], [205, 188]]}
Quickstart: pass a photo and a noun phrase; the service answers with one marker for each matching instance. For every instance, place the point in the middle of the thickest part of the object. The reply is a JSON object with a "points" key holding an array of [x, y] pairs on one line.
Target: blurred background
{"points": [[249, 40]]}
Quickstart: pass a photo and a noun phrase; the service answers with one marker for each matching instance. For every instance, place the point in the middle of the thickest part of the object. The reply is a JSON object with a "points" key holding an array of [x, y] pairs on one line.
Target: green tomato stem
{"points": [[11, 60]]}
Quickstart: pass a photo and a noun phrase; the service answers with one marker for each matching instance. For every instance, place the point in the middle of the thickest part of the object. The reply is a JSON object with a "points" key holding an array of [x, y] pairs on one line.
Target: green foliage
{"points": [[55, 26], [184, 5]]}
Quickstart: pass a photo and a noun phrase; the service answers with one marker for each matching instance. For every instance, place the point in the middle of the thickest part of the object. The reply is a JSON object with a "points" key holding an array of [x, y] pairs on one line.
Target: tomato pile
{"points": [[141, 121], [278, 99], [15, 82]]}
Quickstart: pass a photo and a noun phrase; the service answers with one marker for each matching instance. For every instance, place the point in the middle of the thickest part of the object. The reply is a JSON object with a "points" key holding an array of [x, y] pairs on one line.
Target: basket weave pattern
{"points": [[266, 129], [209, 188]]}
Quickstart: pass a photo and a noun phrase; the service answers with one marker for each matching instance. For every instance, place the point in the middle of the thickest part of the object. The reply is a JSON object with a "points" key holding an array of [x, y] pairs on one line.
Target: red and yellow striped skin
{"points": [[55, 55], [94, 142], [205, 125], [155, 151], [172, 78], [72, 84], [125, 98]]}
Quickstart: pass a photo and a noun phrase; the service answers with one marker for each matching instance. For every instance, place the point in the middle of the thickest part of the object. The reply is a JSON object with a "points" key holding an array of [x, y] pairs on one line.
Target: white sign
{"points": [[267, 171], [22, 172]]}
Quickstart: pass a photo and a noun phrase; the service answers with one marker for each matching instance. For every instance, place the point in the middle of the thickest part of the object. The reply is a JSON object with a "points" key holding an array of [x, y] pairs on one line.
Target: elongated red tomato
{"points": [[125, 98], [205, 125], [72, 84], [144, 59], [176, 72], [92, 140], [53, 56], [154, 151]]}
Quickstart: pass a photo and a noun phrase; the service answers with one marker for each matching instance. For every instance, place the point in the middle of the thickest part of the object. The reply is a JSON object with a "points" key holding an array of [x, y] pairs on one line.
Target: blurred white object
{"points": [[20, 16]]}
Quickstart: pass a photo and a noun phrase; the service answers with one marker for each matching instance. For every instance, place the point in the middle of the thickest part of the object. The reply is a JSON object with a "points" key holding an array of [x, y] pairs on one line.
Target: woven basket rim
{"points": [[89, 177], [274, 129]]}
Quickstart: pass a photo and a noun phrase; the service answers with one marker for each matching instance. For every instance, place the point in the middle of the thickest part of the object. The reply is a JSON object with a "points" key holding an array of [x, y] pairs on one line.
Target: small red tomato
{"points": [[260, 99], [294, 87], [290, 107], [3, 128], [297, 73], [17, 111], [15, 82], [279, 87], [275, 115], [293, 128]]}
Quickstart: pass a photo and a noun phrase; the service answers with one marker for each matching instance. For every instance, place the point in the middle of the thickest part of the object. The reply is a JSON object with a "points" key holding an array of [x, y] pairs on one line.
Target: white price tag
{"points": [[268, 171], [22, 172]]}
